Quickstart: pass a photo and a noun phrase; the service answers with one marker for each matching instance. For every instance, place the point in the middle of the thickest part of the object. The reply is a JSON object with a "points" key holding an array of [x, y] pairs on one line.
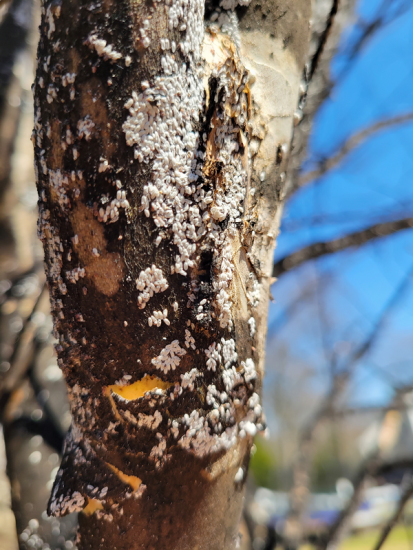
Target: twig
{"points": [[407, 494], [323, 39], [370, 28], [23, 351], [296, 303], [327, 164], [369, 410], [373, 467], [357, 238], [339, 383], [340, 527]]}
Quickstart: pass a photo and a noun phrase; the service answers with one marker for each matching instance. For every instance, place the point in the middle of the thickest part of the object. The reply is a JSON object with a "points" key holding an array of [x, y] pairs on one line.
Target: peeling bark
{"points": [[161, 139]]}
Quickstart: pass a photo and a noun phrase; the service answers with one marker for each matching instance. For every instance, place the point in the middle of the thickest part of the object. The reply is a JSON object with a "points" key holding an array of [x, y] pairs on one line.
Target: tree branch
{"points": [[22, 356], [300, 489], [369, 29], [323, 39], [327, 164], [373, 467], [407, 494], [358, 238], [322, 85], [368, 410]]}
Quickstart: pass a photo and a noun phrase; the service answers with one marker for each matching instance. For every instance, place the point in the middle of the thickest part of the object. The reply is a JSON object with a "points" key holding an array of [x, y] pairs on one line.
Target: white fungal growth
{"points": [[144, 38], [51, 93], [85, 127], [170, 357], [150, 281], [74, 275], [161, 127], [189, 378], [221, 352], [232, 4], [254, 293], [249, 370], [239, 476], [149, 421], [251, 324], [213, 356], [58, 183], [103, 49], [189, 340], [199, 439], [110, 213], [67, 504], [68, 78], [50, 20], [157, 317], [104, 165], [228, 352]]}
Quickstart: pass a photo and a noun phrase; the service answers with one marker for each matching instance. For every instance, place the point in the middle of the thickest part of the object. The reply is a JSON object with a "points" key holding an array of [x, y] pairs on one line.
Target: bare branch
{"points": [[373, 467], [23, 350], [327, 164], [407, 494], [383, 18], [322, 85], [300, 490], [368, 410], [358, 238], [340, 527], [323, 40]]}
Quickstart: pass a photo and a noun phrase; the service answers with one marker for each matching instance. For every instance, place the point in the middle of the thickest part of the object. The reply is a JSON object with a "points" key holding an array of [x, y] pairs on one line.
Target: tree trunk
{"points": [[162, 133]]}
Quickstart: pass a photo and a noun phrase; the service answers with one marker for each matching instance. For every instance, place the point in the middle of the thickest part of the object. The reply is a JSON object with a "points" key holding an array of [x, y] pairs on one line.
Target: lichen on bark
{"points": [[160, 167]]}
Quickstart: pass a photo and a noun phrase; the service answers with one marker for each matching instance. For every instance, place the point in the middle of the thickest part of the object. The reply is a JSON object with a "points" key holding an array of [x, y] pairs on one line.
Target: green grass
{"points": [[399, 539]]}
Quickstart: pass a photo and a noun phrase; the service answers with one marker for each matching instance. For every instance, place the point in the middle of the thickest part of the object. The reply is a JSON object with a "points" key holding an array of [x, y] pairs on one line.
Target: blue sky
{"points": [[352, 288]]}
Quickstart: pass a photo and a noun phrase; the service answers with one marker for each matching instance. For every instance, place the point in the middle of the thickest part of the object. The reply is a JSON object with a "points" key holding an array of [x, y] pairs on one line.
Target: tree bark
{"points": [[162, 133]]}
